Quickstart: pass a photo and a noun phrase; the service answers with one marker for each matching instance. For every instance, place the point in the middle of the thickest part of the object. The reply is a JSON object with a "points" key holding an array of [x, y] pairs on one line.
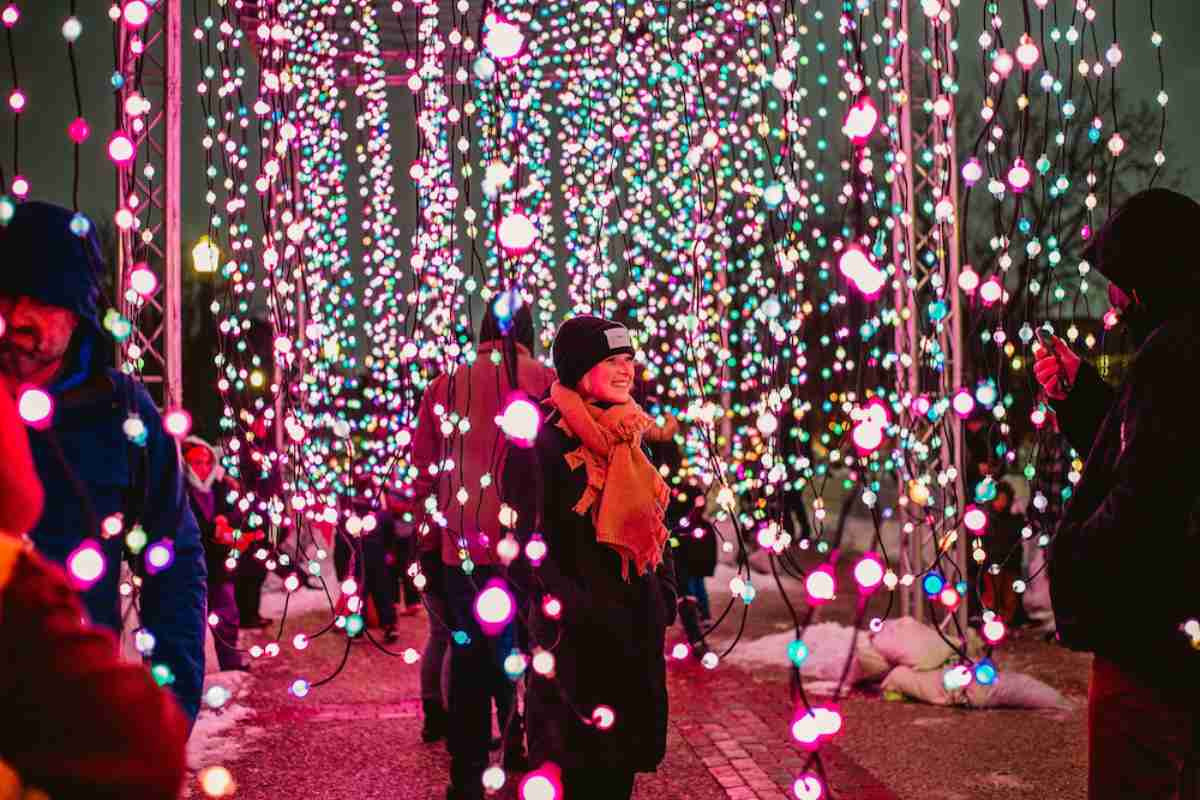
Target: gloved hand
{"points": [[1055, 368]]}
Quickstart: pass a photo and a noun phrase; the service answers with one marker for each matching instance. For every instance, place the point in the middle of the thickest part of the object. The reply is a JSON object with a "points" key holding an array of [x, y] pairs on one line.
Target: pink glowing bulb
{"points": [[991, 291], [860, 120], [680, 651], [178, 423], [963, 403], [79, 130], [868, 572], [1027, 52], [856, 265], [135, 13], [968, 280], [517, 233], [503, 39], [542, 784], [20, 186], [829, 720], [16, 101], [143, 280], [820, 585], [972, 171], [993, 630], [603, 717], [36, 407], [552, 607], [121, 149], [975, 519], [867, 436], [494, 607], [1003, 63], [808, 787], [1019, 176], [10, 15], [520, 421], [806, 730], [950, 597], [85, 565], [535, 550]]}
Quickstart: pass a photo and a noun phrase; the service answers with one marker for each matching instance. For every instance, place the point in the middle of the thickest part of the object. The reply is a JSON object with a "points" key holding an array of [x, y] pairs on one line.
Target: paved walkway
{"points": [[358, 736]]}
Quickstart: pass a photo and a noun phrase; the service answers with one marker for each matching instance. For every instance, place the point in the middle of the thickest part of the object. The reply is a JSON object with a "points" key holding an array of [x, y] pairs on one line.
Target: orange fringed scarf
{"points": [[625, 494]]}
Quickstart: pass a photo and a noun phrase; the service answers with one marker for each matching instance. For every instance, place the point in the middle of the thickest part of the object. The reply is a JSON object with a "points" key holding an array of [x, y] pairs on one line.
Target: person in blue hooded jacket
{"points": [[104, 451]]}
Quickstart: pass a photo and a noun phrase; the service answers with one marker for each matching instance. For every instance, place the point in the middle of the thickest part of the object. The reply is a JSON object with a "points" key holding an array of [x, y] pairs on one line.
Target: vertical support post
{"points": [[173, 97]]}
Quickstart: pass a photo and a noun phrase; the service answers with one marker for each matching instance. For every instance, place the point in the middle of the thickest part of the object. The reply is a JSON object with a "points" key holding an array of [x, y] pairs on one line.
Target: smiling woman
{"points": [[602, 595]]}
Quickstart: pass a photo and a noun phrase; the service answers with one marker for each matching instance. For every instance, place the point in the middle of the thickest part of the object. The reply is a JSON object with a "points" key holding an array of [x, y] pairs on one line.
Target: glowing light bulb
{"points": [[991, 291], [860, 120], [143, 280], [820, 585], [1027, 52], [972, 171], [603, 717], [975, 519], [299, 688], [85, 565], [857, 266], [680, 651], [17, 100], [216, 782], [808, 787], [503, 39], [520, 421], [535, 549], [135, 13], [994, 630], [121, 149], [968, 280], [1019, 176], [517, 233], [963, 403], [494, 778], [159, 556], [177, 422], [494, 607], [543, 663], [1002, 62], [36, 407], [79, 130], [868, 572]]}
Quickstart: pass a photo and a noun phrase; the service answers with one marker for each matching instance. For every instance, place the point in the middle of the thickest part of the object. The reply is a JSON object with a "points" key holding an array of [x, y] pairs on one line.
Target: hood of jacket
{"points": [[1147, 249]]}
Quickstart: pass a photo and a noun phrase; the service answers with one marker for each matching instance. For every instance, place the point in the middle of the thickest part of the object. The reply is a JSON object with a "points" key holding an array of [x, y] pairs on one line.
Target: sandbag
{"points": [[906, 642], [1011, 690]]}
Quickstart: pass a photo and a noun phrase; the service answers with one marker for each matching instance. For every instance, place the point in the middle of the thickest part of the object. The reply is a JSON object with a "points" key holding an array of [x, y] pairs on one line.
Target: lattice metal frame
{"points": [[150, 188], [922, 128]]}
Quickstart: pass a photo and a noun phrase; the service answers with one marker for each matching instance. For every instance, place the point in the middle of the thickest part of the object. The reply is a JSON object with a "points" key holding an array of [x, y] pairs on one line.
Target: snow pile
{"points": [[212, 742], [908, 656]]}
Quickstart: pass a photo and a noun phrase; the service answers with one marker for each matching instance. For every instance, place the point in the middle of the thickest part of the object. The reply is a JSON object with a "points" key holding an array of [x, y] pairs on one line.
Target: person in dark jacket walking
{"points": [[75, 722], [102, 455], [462, 506], [208, 494], [1124, 559], [603, 595]]}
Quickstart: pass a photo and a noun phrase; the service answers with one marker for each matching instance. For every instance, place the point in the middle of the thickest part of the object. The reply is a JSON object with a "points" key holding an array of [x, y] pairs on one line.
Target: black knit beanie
{"points": [[583, 342]]}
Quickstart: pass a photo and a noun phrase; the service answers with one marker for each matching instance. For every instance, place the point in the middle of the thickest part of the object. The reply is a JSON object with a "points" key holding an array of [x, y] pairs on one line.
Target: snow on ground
{"points": [[212, 742]]}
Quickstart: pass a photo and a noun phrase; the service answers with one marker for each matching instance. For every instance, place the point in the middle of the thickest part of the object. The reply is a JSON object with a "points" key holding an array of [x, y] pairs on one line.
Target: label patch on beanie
{"points": [[618, 338]]}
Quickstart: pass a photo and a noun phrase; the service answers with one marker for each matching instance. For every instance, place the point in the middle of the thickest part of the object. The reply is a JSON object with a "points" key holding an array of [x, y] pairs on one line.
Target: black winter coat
{"points": [[1126, 556], [608, 643]]}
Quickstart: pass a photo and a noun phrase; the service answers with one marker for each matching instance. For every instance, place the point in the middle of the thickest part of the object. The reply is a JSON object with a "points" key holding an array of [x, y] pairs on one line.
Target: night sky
{"points": [[41, 58]]}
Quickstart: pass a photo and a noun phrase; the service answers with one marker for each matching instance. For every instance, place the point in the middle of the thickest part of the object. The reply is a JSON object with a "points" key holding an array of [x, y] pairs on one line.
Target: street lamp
{"points": [[205, 255]]}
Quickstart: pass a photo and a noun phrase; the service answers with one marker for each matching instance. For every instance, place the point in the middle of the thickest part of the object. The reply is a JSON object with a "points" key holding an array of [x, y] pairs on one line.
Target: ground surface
{"points": [[358, 736]]}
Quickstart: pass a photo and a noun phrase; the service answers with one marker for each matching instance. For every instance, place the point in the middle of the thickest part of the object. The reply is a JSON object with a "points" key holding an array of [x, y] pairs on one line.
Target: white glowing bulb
{"points": [[517, 233]]}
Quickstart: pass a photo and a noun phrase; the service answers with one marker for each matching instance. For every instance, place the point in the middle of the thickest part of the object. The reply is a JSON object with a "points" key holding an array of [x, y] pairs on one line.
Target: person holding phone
{"points": [[1124, 559]]}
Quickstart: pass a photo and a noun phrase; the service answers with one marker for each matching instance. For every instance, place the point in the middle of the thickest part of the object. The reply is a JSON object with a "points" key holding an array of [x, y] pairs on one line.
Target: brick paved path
{"points": [[358, 737]]}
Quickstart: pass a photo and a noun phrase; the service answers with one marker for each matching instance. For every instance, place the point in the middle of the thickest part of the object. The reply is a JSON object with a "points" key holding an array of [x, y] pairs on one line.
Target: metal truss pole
{"points": [[149, 62], [926, 256]]}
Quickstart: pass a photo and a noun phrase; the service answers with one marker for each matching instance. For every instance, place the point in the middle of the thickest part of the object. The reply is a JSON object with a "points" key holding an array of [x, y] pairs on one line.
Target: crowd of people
{"points": [[584, 521]]}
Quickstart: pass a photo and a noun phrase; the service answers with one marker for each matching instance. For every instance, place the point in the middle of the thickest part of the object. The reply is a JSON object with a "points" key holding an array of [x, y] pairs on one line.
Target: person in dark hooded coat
{"points": [[1124, 560], [589, 492], [103, 455]]}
